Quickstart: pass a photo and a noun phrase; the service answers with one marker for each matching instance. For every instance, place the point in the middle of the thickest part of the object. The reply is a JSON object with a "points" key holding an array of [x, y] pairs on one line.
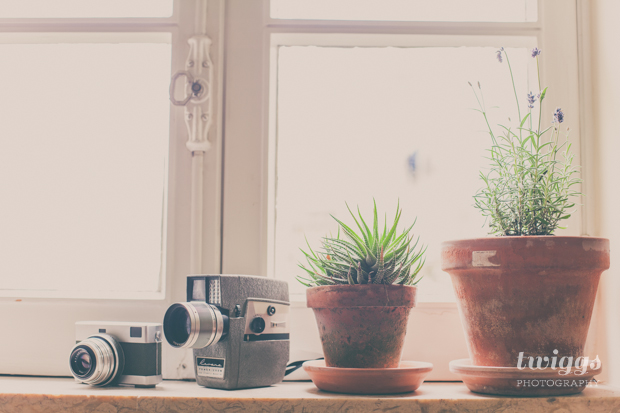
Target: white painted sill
{"points": [[19, 394]]}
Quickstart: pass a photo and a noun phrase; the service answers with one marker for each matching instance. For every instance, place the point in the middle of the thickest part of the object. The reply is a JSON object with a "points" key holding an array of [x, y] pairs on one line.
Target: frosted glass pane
{"points": [[83, 147], [407, 10], [388, 123], [84, 8]]}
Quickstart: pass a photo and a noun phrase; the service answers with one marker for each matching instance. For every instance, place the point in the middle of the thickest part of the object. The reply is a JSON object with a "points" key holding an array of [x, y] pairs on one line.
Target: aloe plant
{"points": [[366, 256]]}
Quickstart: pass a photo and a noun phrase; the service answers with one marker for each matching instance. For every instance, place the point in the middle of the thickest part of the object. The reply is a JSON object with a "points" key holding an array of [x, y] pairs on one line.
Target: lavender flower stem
{"points": [[515, 90], [539, 103], [484, 113]]}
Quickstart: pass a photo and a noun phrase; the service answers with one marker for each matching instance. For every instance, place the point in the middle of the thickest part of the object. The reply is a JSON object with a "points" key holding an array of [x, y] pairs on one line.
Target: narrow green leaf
{"points": [[524, 119], [375, 229]]}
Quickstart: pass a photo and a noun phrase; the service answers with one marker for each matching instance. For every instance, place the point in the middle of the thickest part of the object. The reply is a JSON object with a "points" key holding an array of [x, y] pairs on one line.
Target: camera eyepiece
{"points": [[194, 325], [98, 360]]}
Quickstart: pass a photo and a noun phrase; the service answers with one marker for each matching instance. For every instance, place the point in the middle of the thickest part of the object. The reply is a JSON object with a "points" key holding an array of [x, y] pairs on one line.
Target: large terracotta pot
{"points": [[362, 326], [531, 294]]}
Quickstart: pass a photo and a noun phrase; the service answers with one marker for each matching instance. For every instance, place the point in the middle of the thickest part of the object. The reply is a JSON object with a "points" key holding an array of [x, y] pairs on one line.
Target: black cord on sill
{"points": [[296, 365]]}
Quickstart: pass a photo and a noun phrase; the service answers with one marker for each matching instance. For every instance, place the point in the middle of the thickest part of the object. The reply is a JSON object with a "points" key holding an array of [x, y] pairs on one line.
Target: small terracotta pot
{"points": [[531, 294], [362, 326]]}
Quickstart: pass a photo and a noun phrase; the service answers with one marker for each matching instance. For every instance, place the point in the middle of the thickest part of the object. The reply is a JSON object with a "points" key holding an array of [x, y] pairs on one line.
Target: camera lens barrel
{"points": [[98, 360], [194, 325]]}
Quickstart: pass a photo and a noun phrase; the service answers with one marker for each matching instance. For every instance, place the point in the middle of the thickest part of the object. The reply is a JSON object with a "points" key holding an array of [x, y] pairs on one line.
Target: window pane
{"points": [[85, 8], [83, 148], [407, 10], [391, 124]]}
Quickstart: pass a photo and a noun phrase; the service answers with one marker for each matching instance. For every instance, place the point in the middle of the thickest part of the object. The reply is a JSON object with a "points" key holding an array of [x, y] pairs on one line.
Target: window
{"points": [[98, 148], [407, 10], [85, 9], [318, 96], [79, 190], [387, 131], [105, 209]]}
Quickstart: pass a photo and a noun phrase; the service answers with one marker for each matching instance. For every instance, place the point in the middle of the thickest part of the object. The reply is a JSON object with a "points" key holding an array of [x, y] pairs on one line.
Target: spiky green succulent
{"points": [[365, 257]]}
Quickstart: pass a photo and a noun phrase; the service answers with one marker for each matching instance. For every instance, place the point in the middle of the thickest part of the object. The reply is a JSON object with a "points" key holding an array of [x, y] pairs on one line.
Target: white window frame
{"points": [[39, 323], [252, 37]]}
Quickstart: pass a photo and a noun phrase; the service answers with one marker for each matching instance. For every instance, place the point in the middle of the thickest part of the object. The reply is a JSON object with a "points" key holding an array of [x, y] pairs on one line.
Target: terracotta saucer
{"points": [[404, 379], [511, 381]]}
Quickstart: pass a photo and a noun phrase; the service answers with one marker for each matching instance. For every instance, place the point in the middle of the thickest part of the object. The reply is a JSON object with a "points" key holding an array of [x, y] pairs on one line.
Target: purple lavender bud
{"points": [[558, 116], [499, 55], [531, 99], [535, 52]]}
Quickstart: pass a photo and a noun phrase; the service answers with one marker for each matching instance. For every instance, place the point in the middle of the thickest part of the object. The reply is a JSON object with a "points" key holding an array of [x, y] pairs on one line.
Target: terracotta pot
{"points": [[362, 326], [531, 294]]}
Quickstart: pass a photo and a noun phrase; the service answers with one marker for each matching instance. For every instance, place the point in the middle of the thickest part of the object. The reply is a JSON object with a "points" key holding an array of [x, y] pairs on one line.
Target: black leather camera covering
{"points": [[139, 359]]}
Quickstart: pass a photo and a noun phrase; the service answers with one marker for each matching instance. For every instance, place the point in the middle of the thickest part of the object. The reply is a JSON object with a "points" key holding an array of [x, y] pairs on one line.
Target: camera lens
{"points": [[180, 325], [82, 362], [98, 360], [194, 325]]}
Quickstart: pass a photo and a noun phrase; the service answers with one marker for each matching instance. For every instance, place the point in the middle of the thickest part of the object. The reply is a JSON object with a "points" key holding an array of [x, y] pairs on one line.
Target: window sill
{"points": [[59, 395]]}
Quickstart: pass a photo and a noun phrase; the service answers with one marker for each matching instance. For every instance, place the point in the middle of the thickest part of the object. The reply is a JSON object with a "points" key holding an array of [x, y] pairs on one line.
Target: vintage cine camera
{"points": [[237, 326], [110, 353]]}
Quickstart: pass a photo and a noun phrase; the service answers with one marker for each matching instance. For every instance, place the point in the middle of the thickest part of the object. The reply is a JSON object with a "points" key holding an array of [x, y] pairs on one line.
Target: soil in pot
{"points": [[362, 326], [532, 295]]}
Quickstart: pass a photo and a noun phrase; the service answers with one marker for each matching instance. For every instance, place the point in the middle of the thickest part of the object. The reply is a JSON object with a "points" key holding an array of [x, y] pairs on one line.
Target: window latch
{"points": [[197, 98], [195, 89], [173, 82]]}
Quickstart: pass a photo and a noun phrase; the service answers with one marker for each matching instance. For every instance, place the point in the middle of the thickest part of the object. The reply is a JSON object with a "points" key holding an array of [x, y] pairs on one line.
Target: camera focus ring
{"points": [[194, 325], [101, 359]]}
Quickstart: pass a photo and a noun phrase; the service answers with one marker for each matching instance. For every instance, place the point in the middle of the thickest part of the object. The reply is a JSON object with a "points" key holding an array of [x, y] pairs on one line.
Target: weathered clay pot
{"points": [[531, 294], [362, 326]]}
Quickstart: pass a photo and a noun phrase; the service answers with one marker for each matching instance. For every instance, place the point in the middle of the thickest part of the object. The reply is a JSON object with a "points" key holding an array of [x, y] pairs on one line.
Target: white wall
{"points": [[605, 192]]}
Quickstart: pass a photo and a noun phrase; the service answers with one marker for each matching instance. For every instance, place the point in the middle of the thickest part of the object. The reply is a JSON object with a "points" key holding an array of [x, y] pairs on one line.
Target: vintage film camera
{"points": [[237, 326], [110, 353]]}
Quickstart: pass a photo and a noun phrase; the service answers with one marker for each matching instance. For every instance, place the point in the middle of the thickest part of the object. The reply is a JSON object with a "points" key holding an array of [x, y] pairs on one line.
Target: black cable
{"points": [[296, 365]]}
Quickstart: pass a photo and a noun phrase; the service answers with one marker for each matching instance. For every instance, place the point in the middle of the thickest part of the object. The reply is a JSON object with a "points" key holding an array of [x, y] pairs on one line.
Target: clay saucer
{"points": [[512, 381], [404, 379]]}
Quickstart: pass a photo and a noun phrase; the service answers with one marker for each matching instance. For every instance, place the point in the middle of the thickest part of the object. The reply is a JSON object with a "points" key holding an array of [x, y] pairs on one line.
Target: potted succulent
{"points": [[526, 293], [362, 288]]}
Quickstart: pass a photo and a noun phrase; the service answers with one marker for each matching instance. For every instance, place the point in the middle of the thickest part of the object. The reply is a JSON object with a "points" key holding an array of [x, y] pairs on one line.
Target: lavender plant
{"points": [[367, 257], [530, 186]]}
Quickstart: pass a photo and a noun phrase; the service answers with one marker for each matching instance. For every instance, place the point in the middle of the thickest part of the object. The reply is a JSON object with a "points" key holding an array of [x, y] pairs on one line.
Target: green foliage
{"points": [[365, 257], [529, 187]]}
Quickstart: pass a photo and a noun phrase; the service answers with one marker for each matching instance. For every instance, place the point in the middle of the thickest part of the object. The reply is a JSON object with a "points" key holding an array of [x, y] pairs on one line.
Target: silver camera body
{"points": [[111, 353], [238, 326]]}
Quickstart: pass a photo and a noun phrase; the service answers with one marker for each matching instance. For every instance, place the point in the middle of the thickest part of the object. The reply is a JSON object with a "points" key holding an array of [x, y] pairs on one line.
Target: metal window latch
{"points": [[190, 83], [197, 100]]}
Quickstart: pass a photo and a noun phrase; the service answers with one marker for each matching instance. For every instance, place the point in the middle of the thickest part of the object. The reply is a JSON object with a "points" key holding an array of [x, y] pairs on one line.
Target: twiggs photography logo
{"points": [[556, 383], [564, 364], [572, 370]]}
